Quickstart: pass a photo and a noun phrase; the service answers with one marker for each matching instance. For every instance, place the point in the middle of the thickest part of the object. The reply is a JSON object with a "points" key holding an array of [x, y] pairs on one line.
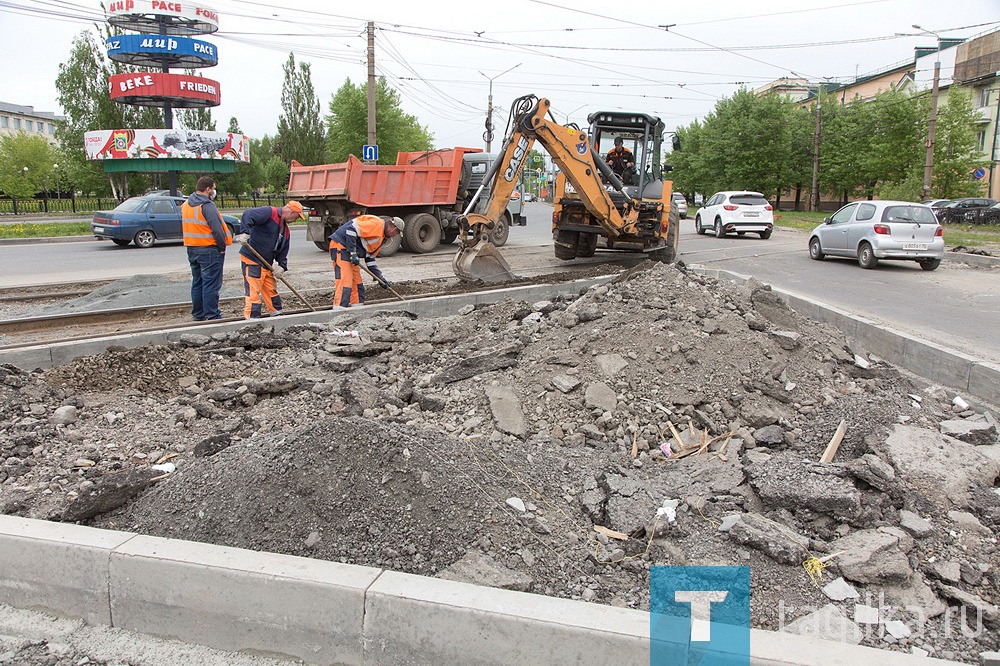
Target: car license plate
{"points": [[914, 246], [751, 214], [99, 230]]}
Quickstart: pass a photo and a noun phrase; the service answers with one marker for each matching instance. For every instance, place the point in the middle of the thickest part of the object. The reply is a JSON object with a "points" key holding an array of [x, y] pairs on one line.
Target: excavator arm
{"points": [[570, 149]]}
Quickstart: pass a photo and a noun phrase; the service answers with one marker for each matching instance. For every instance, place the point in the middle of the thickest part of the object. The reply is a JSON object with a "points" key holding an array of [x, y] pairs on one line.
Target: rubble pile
{"points": [[560, 447]]}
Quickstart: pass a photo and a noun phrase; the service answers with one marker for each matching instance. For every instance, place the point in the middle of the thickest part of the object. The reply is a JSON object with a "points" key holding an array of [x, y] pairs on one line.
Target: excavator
{"points": [[631, 211]]}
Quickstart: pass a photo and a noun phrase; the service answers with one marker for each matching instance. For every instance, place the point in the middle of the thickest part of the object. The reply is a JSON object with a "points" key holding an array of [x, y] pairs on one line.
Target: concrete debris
{"points": [[874, 556], [771, 538], [989, 658], [480, 569], [897, 629], [866, 614], [64, 415], [917, 526], [940, 469], [969, 431], [392, 450], [990, 613], [839, 589], [827, 623], [949, 572]]}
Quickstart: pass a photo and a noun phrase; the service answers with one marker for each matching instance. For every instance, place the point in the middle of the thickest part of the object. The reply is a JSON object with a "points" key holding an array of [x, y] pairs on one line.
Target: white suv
{"points": [[741, 212], [682, 204]]}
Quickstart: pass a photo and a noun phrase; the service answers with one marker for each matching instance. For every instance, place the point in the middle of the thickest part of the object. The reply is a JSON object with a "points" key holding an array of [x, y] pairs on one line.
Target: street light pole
{"points": [[58, 194], [488, 134], [929, 161]]}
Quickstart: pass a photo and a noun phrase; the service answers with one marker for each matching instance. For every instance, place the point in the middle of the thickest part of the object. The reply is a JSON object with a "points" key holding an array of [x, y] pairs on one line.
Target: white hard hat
{"points": [[398, 223]]}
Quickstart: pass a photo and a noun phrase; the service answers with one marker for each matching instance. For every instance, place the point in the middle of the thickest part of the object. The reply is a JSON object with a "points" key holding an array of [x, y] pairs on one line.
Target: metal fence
{"points": [[73, 204]]}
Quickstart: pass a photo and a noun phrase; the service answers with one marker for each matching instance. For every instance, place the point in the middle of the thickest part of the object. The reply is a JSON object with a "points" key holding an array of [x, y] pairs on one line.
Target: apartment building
{"points": [[977, 70], [15, 118]]}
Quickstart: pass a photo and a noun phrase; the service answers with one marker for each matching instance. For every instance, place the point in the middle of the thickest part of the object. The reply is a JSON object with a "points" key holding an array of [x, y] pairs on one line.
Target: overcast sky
{"points": [[585, 56]]}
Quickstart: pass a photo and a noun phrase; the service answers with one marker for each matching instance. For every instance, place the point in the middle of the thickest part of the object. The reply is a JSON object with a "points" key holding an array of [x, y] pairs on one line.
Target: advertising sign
{"points": [[161, 51], [156, 88], [164, 143], [175, 18]]}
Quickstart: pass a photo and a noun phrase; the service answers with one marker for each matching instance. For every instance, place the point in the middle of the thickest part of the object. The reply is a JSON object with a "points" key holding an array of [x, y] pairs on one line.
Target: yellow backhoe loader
{"points": [[631, 210]]}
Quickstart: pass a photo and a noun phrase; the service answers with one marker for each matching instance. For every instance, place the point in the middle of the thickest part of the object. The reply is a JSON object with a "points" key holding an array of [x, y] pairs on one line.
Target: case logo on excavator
{"points": [[582, 147], [520, 150]]}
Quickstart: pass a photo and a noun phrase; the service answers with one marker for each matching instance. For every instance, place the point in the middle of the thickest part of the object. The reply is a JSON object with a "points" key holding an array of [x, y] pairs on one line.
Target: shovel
{"points": [[381, 283], [283, 280]]}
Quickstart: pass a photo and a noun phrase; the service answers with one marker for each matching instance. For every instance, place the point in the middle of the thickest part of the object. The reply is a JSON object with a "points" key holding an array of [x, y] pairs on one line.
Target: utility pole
{"points": [[929, 162], [814, 191], [488, 134], [371, 83]]}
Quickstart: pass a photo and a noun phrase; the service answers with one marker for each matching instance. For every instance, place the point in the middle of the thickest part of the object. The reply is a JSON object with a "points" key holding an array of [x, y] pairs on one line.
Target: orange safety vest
{"points": [[371, 233], [197, 232]]}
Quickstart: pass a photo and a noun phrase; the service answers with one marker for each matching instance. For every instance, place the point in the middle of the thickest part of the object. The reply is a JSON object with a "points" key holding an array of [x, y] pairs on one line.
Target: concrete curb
{"points": [[969, 376], [330, 613]]}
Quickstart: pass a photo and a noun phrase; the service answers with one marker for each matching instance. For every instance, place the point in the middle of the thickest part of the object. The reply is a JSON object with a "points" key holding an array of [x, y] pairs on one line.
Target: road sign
{"points": [[369, 153], [979, 173]]}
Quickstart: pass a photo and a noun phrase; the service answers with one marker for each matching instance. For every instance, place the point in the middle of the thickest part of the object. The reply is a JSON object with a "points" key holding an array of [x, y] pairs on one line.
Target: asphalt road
{"points": [[957, 306]]}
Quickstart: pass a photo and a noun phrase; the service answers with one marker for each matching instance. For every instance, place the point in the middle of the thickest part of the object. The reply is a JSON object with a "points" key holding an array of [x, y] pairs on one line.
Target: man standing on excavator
{"points": [[620, 159], [360, 239]]}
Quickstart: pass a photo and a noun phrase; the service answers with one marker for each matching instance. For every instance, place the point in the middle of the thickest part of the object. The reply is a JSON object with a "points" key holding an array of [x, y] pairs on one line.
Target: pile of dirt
{"points": [[681, 416]]}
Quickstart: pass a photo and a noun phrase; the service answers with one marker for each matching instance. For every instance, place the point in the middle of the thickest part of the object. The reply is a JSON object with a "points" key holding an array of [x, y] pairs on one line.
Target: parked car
{"points": [[528, 196], [682, 204], [726, 212], [968, 209], [936, 203], [146, 220], [992, 214], [871, 231]]}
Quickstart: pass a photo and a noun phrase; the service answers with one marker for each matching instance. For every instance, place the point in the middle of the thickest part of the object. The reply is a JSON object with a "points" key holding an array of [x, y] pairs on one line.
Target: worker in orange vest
{"points": [[359, 240], [265, 230], [206, 238]]}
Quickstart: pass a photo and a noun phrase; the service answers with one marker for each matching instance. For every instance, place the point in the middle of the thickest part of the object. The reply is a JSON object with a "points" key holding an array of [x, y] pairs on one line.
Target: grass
{"points": [[46, 230]]}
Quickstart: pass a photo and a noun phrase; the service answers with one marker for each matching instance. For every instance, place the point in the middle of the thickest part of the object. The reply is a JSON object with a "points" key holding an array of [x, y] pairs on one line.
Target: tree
{"points": [[195, 119], [26, 165], [82, 84], [300, 127], [956, 151], [276, 171], [347, 124]]}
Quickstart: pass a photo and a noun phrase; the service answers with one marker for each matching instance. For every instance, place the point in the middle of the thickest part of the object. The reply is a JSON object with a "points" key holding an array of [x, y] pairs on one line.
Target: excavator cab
{"points": [[642, 135]]}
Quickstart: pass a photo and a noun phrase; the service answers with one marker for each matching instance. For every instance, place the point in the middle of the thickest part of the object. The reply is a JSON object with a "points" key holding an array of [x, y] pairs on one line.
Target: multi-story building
{"points": [[977, 69], [15, 118]]}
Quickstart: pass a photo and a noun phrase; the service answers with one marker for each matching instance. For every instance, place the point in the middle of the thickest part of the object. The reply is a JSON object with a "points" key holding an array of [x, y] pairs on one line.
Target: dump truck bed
{"points": [[426, 178]]}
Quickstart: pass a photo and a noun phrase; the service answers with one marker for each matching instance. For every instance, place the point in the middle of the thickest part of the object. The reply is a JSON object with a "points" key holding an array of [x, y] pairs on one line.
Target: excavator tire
{"points": [[565, 244], [501, 231], [422, 233], [587, 245], [669, 253]]}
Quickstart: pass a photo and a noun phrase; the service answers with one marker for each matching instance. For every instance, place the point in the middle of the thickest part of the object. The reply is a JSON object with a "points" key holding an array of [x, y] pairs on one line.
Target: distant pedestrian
{"points": [[265, 229], [360, 239], [206, 238]]}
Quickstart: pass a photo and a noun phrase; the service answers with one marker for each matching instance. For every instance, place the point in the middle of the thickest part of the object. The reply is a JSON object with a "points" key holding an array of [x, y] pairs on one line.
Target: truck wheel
{"points": [[669, 253], [391, 246], [422, 233], [565, 244], [501, 231], [587, 245], [323, 245]]}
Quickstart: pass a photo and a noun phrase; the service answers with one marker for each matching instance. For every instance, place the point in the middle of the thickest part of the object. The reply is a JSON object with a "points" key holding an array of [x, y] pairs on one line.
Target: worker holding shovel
{"points": [[359, 240], [265, 238]]}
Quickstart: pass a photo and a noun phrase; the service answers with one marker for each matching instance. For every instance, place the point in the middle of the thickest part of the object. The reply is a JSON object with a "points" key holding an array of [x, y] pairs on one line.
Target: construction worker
{"points": [[359, 239], [265, 238], [206, 238], [620, 159]]}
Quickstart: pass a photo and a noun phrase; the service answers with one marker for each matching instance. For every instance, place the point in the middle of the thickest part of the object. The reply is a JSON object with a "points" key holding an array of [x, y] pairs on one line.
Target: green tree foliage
{"points": [[301, 133], [82, 84], [347, 124], [194, 119], [26, 165], [275, 174], [956, 151]]}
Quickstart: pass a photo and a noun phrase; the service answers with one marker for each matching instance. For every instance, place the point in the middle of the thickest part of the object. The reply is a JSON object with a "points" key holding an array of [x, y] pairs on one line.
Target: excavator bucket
{"points": [[482, 262]]}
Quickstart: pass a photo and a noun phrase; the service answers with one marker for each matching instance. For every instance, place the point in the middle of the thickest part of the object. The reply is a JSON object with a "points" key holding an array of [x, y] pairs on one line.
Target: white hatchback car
{"points": [[682, 204], [741, 212], [874, 230]]}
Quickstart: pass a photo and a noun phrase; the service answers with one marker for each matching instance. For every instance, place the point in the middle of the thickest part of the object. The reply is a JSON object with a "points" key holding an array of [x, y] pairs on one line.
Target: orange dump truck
{"points": [[428, 189]]}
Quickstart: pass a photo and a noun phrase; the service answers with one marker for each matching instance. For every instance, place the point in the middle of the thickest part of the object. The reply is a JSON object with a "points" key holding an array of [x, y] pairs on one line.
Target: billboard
{"points": [[164, 143]]}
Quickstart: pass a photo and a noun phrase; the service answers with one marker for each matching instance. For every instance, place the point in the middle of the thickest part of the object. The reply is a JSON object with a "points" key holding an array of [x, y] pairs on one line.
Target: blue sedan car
{"points": [[146, 220]]}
